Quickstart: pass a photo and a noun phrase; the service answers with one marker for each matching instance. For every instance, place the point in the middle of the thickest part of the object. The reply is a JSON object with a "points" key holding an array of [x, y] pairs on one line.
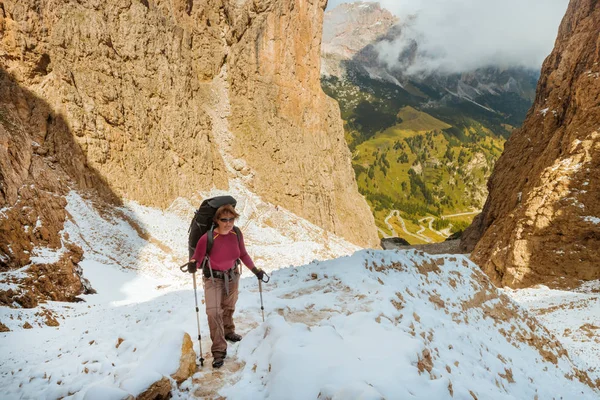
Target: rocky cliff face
{"points": [[541, 221], [286, 130], [154, 100], [348, 29]]}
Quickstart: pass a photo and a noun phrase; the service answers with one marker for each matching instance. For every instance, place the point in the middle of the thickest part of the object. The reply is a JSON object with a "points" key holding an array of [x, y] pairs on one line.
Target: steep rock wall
{"points": [[127, 98], [130, 78], [541, 221], [286, 129]]}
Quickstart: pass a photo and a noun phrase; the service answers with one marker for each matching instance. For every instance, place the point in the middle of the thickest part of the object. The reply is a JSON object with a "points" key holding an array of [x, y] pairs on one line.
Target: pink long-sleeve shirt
{"points": [[225, 250]]}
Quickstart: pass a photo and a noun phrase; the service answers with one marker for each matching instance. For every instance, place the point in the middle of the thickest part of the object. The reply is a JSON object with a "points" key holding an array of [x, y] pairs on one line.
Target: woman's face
{"points": [[225, 222]]}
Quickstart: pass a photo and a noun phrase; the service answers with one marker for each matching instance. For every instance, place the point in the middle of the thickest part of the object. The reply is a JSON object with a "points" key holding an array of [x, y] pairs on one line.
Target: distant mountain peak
{"points": [[358, 39], [350, 27]]}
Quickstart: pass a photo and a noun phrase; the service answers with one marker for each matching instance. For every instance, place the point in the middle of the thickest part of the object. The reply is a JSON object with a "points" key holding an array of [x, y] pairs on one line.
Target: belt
{"points": [[222, 274], [228, 275]]}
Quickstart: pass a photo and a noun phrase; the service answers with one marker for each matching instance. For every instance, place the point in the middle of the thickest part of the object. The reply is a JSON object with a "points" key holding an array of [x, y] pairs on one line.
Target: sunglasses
{"points": [[226, 219]]}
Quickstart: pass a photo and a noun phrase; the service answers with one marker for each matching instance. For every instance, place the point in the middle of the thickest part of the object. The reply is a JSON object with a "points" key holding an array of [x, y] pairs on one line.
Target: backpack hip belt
{"points": [[213, 273], [230, 275]]}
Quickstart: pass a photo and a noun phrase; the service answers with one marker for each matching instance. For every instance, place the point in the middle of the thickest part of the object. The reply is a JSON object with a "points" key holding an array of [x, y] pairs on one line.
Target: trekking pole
{"points": [[185, 268], [262, 308], [260, 281], [198, 321]]}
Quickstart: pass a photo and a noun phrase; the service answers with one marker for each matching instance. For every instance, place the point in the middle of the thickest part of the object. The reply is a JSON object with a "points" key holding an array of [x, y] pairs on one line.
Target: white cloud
{"points": [[461, 35]]}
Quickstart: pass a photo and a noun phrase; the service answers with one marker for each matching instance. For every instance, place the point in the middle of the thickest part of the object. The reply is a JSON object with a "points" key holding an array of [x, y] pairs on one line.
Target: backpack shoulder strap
{"points": [[210, 239], [238, 233]]}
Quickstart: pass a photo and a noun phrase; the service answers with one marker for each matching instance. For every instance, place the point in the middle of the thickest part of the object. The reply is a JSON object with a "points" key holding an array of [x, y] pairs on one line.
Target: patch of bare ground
{"points": [[590, 330], [425, 362], [430, 266], [310, 316], [584, 378], [508, 375], [437, 301], [478, 299], [573, 305], [49, 317], [398, 304], [210, 380]]}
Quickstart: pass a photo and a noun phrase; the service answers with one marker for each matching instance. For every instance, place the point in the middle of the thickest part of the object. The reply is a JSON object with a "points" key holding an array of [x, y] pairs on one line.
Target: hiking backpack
{"points": [[203, 222]]}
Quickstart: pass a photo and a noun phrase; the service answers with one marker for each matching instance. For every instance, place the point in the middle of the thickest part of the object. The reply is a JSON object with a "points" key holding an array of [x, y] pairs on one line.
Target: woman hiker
{"points": [[221, 279]]}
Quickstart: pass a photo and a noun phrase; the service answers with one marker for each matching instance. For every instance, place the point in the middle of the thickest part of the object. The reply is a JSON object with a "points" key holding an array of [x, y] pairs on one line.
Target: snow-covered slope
{"points": [[153, 243], [376, 324], [399, 325], [573, 316]]}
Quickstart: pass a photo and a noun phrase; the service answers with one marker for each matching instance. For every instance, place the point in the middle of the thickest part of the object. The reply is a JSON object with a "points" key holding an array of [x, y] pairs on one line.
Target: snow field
{"points": [[573, 316], [370, 343], [377, 324]]}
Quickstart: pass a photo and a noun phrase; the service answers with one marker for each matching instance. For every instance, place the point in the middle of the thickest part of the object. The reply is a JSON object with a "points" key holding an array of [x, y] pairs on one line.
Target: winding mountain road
{"points": [[431, 219], [417, 235], [460, 214]]}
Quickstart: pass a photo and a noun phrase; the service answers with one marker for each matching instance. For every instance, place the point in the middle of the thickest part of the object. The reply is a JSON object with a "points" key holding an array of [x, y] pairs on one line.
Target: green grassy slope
{"points": [[423, 162]]}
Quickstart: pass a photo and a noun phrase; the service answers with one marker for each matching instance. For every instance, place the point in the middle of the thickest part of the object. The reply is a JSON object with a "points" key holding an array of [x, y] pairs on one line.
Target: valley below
{"points": [[433, 173], [424, 145]]}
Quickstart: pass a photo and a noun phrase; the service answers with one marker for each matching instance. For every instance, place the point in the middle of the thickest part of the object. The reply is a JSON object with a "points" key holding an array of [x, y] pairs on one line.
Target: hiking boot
{"points": [[218, 362], [233, 337]]}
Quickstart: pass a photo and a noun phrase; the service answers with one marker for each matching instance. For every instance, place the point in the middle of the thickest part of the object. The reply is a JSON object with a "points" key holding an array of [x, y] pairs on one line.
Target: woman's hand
{"points": [[258, 272], [192, 267]]}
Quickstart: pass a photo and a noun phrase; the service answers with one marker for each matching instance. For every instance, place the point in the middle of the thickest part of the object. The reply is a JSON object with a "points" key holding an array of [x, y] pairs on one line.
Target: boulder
{"points": [[393, 243], [159, 390], [187, 362], [171, 357]]}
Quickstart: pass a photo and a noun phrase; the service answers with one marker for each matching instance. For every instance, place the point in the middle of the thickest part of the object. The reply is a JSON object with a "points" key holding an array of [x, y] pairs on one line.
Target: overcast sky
{"points": [[461, 35]]}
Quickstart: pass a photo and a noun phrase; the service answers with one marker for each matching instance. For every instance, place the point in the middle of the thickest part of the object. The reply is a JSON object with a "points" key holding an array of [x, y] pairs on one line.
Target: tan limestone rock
{"points": [[123, 98], [187, 367], [348, 29], [159, 390], [187, 362], [541, 221], [286, 129], [39, 161]]}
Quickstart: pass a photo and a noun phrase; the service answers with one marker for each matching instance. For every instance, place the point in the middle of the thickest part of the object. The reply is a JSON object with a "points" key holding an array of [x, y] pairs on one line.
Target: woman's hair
{"points": [[226, 209]]}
